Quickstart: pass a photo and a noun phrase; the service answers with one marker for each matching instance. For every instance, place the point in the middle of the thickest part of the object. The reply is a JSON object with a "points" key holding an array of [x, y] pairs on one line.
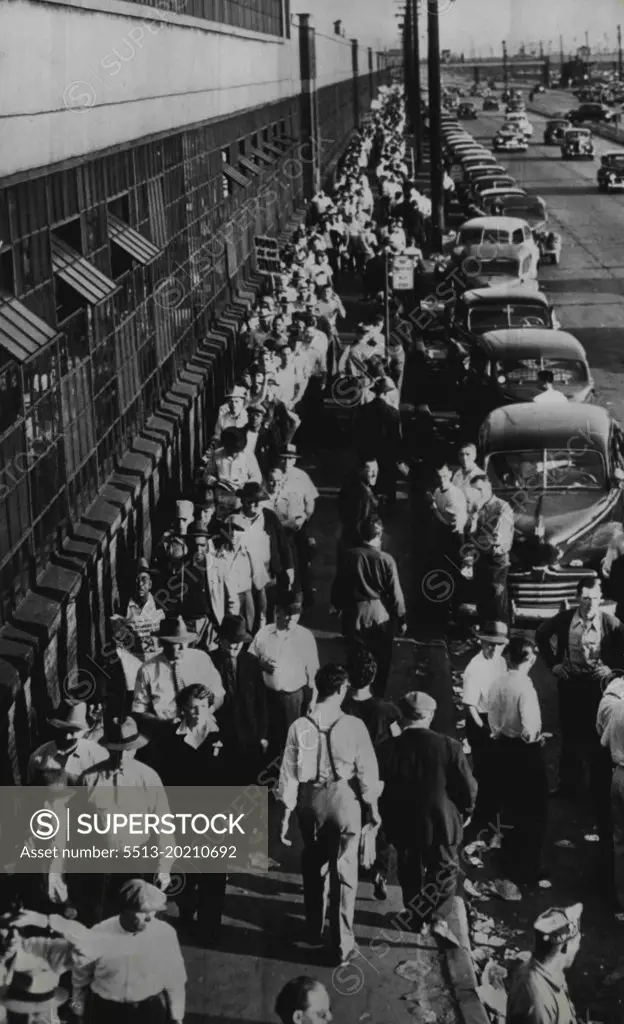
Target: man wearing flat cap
{"points": [[539, 993], [141, 978], [429, 795], [233, 412]]}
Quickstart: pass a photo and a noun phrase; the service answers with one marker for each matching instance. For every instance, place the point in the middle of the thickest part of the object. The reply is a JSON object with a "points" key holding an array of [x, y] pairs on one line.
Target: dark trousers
{"points": [[520, 771], [203, 898], [282, 710], [150, 1011], [581, 751], [427, 876], [300, 540], [377, 639], [480, 742], [490, 577], [387, 481]]}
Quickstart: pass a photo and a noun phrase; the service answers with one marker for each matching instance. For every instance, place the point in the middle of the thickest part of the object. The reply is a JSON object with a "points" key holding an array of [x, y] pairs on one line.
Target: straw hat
{"points": [[33, 988], [493, 632], [70, 716]]}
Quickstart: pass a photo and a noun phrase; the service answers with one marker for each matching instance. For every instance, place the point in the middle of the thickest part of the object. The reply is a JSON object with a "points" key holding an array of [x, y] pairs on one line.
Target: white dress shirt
{"points": [[352, 752], [235, 470], [156, 687], [135, 967], [479, 676], [295, 654], [298, 480], [226, 420], [513, 708], [584, 643], [610, 721], [550, 397]]}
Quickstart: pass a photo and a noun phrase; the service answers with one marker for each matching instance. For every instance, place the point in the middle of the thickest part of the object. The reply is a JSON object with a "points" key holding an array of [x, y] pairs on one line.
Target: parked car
{"points": [[498, 309], [467, 111], [515, 107], [561, 468], [577, 143], [553, 132], [491, 103], [491, 202], [502, 367], [611, 171], [597, 112], [532, 209], [494, 251], [521, 122], [509, 140]]}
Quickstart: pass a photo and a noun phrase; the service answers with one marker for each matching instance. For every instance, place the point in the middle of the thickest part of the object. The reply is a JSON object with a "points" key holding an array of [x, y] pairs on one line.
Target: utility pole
{"points": [[505, 67], [418, 126], [407, 59], [435, 126], [619, 39], [561, 54]]}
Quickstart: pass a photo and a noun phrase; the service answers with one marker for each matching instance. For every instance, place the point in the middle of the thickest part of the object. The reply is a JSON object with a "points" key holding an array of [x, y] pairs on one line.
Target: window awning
{"points": [[249, 165], [261, 155], [234, 175], [272, 148], [140, 248], [22, 334], [80, 275]]}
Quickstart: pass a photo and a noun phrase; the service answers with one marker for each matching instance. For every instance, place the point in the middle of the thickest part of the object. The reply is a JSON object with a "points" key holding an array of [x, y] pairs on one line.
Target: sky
{"points": [[478, 25]]}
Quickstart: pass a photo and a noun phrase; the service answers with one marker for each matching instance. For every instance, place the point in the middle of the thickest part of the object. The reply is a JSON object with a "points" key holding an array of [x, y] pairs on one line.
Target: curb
{"points": [[458, 963]]}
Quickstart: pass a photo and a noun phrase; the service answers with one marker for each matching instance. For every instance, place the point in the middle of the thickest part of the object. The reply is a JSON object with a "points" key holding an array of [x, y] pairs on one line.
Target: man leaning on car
{"points": [[589, 644]]}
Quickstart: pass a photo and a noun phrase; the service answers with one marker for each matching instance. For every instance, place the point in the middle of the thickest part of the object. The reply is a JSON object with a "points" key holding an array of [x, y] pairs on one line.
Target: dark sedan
{"points": [[553, 132], [561, 468]]}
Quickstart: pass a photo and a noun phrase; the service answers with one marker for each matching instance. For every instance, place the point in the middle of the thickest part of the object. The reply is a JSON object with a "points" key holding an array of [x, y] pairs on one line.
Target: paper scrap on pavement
{"points": [[505, 889], [592, 837], [474, 890], [566, 844], [544, 883]]}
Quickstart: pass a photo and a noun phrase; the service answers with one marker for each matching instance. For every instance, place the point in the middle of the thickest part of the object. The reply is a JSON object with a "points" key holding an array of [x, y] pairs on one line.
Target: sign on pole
{"points": [[403, 274]]}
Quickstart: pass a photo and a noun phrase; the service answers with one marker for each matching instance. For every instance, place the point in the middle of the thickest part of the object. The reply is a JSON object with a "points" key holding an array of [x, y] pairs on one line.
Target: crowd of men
{"points": [[216, 678]]}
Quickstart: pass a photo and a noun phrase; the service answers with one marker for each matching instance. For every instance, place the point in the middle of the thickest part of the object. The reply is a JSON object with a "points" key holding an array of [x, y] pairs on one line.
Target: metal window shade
{"points": [[272, 148], [262, 155], [140, 248], [249, 165], [22, 334], [80, 275], [234, 175]]}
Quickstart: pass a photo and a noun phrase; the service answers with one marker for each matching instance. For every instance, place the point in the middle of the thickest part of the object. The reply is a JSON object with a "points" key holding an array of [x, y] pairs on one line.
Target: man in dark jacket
{"points": [[589, 644], [357, 501], [428, 798], [377, 431], [367, 591]]}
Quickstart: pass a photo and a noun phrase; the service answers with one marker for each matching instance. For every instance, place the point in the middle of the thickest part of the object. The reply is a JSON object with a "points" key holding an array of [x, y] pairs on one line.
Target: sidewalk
{"points": [[264, 911]]}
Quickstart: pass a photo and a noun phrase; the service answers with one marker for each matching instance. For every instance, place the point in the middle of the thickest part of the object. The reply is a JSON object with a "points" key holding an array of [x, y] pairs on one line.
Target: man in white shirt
{"points": [[480, 674], [324, 752], [230, 467], [464, 476], [141, 978], [610, 728], [64, 759], [548, 395], [233, 413], [288, 658], [518, 761], [160, 680]]}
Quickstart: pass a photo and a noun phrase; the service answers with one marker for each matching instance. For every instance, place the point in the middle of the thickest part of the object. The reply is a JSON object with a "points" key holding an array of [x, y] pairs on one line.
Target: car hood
{"points": [[563, 514], [494, 281]]}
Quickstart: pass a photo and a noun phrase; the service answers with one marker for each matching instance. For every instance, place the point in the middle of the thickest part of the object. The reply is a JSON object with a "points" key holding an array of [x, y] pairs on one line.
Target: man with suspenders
{"points": [[328, 754]]}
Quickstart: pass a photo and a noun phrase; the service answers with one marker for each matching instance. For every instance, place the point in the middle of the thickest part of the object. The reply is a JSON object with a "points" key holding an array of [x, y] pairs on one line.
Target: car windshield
{"points": [[525, 371], [614, 160], [547, 470], [573, 136], [499, 318], [533, 211], [477, 236], [557, 124]]}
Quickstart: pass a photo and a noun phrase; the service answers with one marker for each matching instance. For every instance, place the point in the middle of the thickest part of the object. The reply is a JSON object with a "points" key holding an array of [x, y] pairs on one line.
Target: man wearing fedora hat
{"points": [[480, 674], [429, 794], [233, 413], [161, 678], [242, 713], [140, 978], [65, 758]]}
